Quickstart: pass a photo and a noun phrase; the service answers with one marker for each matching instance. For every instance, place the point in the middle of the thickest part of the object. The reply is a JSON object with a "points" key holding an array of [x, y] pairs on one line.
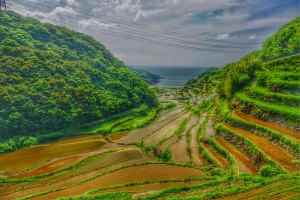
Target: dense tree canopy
{"points": [[52, 77], [284, 42]]}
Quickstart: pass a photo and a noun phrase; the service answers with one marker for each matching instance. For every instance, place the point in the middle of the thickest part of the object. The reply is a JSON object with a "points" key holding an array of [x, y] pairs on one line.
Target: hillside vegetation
{"points": [[264, 83], [148, 76], [52, 78]]}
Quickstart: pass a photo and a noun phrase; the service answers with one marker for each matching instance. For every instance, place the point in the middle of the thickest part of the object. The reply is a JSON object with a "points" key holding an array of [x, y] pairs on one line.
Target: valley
{"points": [[178, 149], [100, 132]]}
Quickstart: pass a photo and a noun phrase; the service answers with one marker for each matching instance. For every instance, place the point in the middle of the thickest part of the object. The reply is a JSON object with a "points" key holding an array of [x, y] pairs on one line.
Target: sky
{"points": [[202, 33]]}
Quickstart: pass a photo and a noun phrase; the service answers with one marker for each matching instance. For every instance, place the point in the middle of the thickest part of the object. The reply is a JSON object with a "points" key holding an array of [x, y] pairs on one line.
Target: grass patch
{"points": [[134, 119], [136, 122], [275, 97], [107, 196], [288, 112], [278, 81]]}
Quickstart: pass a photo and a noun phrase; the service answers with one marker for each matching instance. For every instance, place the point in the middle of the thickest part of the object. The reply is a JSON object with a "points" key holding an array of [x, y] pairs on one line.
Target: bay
{"points": [[174, 76]]}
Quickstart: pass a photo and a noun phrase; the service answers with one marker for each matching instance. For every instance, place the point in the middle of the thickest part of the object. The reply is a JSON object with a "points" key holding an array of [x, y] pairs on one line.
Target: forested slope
{"points": [[254, 103], [52, 78], [224, 81]]}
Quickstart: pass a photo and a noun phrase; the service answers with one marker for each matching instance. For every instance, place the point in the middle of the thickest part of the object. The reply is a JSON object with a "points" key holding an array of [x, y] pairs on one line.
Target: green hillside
{"points": [[259, 94], [284, 42], [225, 81], [254, 107], [148, 76], [52, 78]]}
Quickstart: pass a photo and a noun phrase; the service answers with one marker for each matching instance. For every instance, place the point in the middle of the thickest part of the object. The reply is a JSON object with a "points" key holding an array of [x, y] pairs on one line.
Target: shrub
{"points": [[269, 171], [17, 143], [165, 156]]}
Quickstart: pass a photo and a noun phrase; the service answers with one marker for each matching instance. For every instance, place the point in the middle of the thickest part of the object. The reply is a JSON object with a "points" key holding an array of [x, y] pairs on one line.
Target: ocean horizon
{"points": [[174, 76]]}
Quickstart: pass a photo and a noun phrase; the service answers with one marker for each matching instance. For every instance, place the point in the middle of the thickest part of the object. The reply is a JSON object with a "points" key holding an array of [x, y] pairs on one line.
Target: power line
{"points": [[125, 28], [3, 5]]}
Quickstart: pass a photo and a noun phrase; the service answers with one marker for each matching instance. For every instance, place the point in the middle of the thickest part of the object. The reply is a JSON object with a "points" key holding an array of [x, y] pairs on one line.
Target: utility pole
{"points": [[3, 5]]}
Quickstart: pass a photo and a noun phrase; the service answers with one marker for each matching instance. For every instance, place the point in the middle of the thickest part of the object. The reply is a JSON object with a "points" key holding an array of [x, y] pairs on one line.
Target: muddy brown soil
{"points": [[272, 125], [278, 154], [132, 174]]}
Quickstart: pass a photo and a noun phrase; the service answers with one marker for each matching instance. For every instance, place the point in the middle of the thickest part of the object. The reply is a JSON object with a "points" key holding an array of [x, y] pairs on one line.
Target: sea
{"points": [[175, 76]]}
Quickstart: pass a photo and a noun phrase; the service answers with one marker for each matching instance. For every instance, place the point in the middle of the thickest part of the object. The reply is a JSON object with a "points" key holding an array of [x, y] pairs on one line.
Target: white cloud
{"points": [[223, 36], [95, 23], [147, 13], [252, 37], [156, 31]]}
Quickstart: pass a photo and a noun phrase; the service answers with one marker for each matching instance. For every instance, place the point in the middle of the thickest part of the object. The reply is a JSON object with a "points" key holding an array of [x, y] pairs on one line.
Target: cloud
{"points": [[252, 37], [147, 13], [223, 36], [155, 32], [89, 23]]}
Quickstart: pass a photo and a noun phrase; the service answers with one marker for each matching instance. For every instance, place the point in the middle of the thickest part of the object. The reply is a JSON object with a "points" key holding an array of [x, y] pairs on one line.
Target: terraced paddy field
{"points": [[233, 134], [253, 131], [76, 165], [174, 157], [185, 153]]}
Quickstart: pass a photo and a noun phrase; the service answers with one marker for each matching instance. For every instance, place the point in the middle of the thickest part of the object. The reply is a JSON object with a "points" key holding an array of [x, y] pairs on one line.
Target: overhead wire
{"points": [[125, 29]]}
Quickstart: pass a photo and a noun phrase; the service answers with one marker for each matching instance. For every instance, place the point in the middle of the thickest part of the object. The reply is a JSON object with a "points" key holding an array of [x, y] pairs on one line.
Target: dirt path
{"points": [[280, 155], [271, 125], [244, 163]]}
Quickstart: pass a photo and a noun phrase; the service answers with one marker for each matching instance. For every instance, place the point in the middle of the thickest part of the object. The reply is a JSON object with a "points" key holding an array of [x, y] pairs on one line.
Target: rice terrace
{"points": [[77, 123]]}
